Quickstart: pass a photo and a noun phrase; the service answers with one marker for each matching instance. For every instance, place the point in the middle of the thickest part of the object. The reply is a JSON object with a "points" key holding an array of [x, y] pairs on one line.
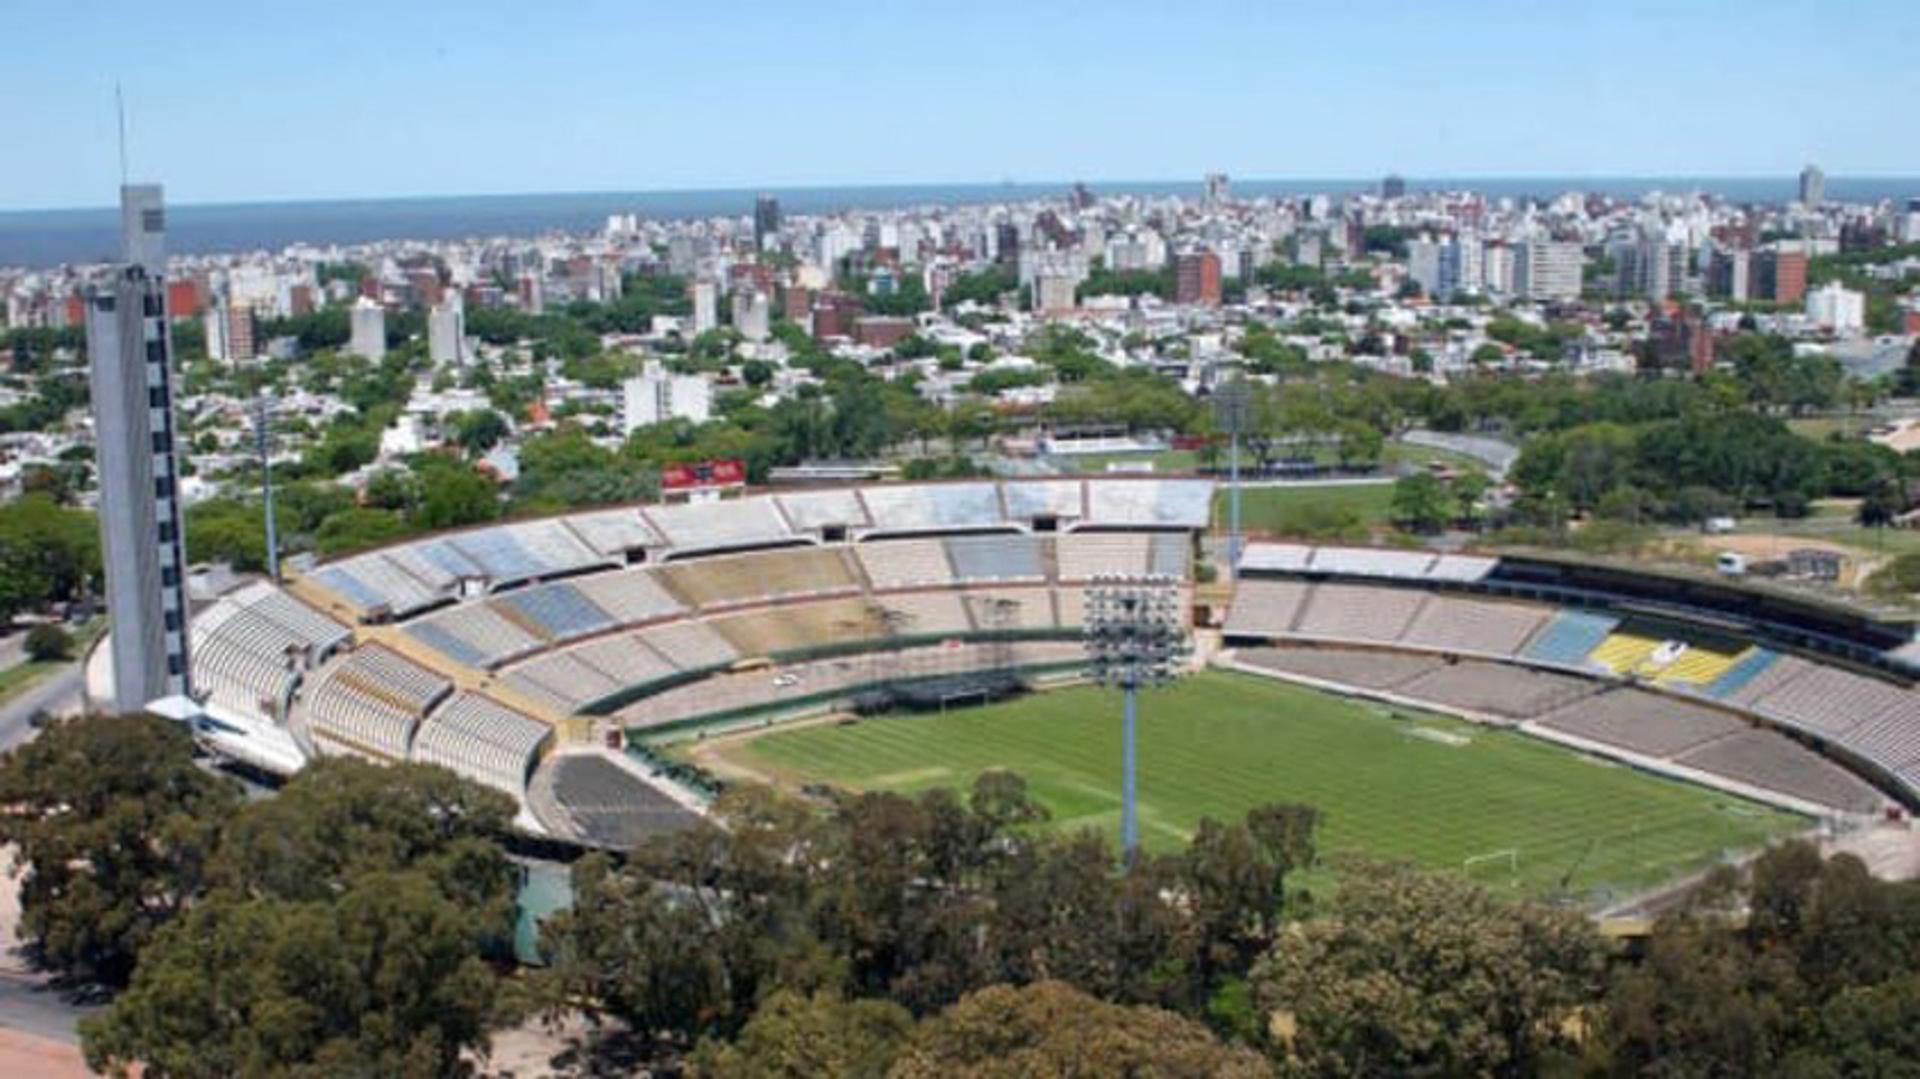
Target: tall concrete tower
{"points": [[131, 354]]}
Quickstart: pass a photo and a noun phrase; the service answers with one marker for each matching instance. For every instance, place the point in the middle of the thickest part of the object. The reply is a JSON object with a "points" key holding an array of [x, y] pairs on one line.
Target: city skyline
{"points": [[420, 103]]}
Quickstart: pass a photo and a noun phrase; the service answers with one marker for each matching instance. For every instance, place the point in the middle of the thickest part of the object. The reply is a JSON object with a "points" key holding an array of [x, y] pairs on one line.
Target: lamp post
{"points": [[1231, 402], [263, 444], [1135, 637]]}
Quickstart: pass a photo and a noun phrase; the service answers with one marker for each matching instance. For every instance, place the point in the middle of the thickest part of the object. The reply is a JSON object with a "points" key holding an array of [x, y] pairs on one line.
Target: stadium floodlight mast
{"points": [[1136, 637], [263, 444], [1232, 401]]}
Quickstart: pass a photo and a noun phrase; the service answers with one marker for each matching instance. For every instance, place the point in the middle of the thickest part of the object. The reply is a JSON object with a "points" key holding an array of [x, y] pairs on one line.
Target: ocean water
{"points": [[50, 237]]}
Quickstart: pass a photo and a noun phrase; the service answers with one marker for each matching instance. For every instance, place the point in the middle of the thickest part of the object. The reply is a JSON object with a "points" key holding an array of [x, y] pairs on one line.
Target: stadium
{"points": [[1448, 708]]}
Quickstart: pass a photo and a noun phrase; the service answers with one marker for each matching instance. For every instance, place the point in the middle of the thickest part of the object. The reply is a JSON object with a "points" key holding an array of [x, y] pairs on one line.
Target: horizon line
{"points": [[1065, 185]]}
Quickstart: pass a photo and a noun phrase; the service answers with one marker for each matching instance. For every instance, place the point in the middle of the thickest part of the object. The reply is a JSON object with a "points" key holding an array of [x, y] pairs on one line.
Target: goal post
{"points": [[1509, 855]]}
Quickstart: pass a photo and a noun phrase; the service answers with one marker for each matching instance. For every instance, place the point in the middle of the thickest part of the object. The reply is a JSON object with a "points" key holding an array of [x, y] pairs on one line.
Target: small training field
{"points": [[1392, 784]]}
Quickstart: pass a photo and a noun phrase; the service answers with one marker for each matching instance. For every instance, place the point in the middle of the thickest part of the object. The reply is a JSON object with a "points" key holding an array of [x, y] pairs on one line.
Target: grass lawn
{"points": [[1163, 461], [1427, 788], [1307, 510], [17, 678]]}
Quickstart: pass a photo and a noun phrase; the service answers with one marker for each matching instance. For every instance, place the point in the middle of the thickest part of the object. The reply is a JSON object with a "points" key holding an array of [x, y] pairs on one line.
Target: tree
{"points": [[115, 824], [48, 554], [1052, 1029], [341, 931], [792, 1036], [452, 494], [1414, 973], [47, 643], [1420, 503], [478, 430]]}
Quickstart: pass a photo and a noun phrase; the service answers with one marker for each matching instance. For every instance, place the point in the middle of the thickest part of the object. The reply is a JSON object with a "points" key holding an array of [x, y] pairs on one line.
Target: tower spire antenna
{"points": [[120, 110]]}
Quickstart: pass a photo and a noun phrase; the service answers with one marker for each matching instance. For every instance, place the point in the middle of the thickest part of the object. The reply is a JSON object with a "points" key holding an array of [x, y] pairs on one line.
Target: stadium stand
{"points": [[475, 635], [796, 682], [1264, 608], [1751, 665], [1343, 666], [1070, 607], [613, 532], [1892, 738], [918, 613], [764, 632], [1774, 762], [369, 704], [1495, 689], [1626, 650], [1150, 503], [303, 625], [1486, 627], [1086, 555], [708, 526], [625, 659], [691, 645], [556, 611], [483, 740], [1010, 608], [1372, 562], [436, 561], [562, 680], [933, 507], [630, 596], [606, 804], [996, 558], [249, 647], [1275, 558], [378, 587], [1643, 722], [236, 676], [1062, 500], [1170, 556], [1829, 702], [1359, 612], [1570, 636], [813, 511], [730, 580], [907, 563]]}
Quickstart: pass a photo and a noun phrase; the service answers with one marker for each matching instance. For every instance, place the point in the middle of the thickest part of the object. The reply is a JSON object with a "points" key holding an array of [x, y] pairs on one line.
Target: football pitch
{"points": [[1512, 812]]}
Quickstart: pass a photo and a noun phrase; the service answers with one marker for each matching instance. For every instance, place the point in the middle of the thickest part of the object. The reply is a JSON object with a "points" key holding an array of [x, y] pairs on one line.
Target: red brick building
{"points": [[1196, 278]]}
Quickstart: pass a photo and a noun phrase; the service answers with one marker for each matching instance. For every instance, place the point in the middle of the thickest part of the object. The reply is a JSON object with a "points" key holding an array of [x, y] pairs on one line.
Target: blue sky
{"points": [[262, 101]]}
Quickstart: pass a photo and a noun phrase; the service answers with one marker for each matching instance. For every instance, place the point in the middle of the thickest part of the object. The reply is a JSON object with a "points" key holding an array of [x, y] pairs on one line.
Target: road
{"points": [[58, 693]]}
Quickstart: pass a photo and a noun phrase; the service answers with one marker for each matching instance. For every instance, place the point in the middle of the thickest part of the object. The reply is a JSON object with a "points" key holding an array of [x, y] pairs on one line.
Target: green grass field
{"points": [[1426, 788], [1313, 511]]}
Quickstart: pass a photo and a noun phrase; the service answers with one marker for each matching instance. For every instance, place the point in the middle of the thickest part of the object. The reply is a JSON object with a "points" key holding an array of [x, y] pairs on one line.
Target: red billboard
{"points": [[720, 472]]}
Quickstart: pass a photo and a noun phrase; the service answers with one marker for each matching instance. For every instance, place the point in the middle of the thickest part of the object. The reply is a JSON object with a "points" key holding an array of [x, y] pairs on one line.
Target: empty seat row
{"points": [[474, 635], [556, 611], [1086, 555], [483, 740], [905, 563]]}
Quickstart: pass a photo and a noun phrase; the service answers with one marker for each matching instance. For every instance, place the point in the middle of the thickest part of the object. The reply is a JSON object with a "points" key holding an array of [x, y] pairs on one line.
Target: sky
{"points": [[269, 101]]}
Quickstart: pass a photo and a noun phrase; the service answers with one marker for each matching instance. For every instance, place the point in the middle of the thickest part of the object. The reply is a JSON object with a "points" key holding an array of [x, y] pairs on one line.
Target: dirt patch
{"points": [[1774, 546]]}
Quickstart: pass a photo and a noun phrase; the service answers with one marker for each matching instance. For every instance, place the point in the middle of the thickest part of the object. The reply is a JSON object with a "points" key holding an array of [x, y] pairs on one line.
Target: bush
{"points": [[48, 642]]}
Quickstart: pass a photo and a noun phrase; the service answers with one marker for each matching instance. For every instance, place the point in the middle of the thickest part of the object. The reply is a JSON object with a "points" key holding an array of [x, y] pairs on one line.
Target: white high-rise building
{"points": [[752, 314], [1547, 270], [367, 335], [1837, 308], [706, 306], [447, 331], [1496, 269], [130, 346], [657, 396]]}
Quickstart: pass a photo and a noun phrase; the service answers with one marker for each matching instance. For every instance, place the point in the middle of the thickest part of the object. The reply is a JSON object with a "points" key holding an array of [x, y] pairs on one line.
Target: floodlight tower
{"points": [[263, 444], [1231, 403], [1135, 636]]}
